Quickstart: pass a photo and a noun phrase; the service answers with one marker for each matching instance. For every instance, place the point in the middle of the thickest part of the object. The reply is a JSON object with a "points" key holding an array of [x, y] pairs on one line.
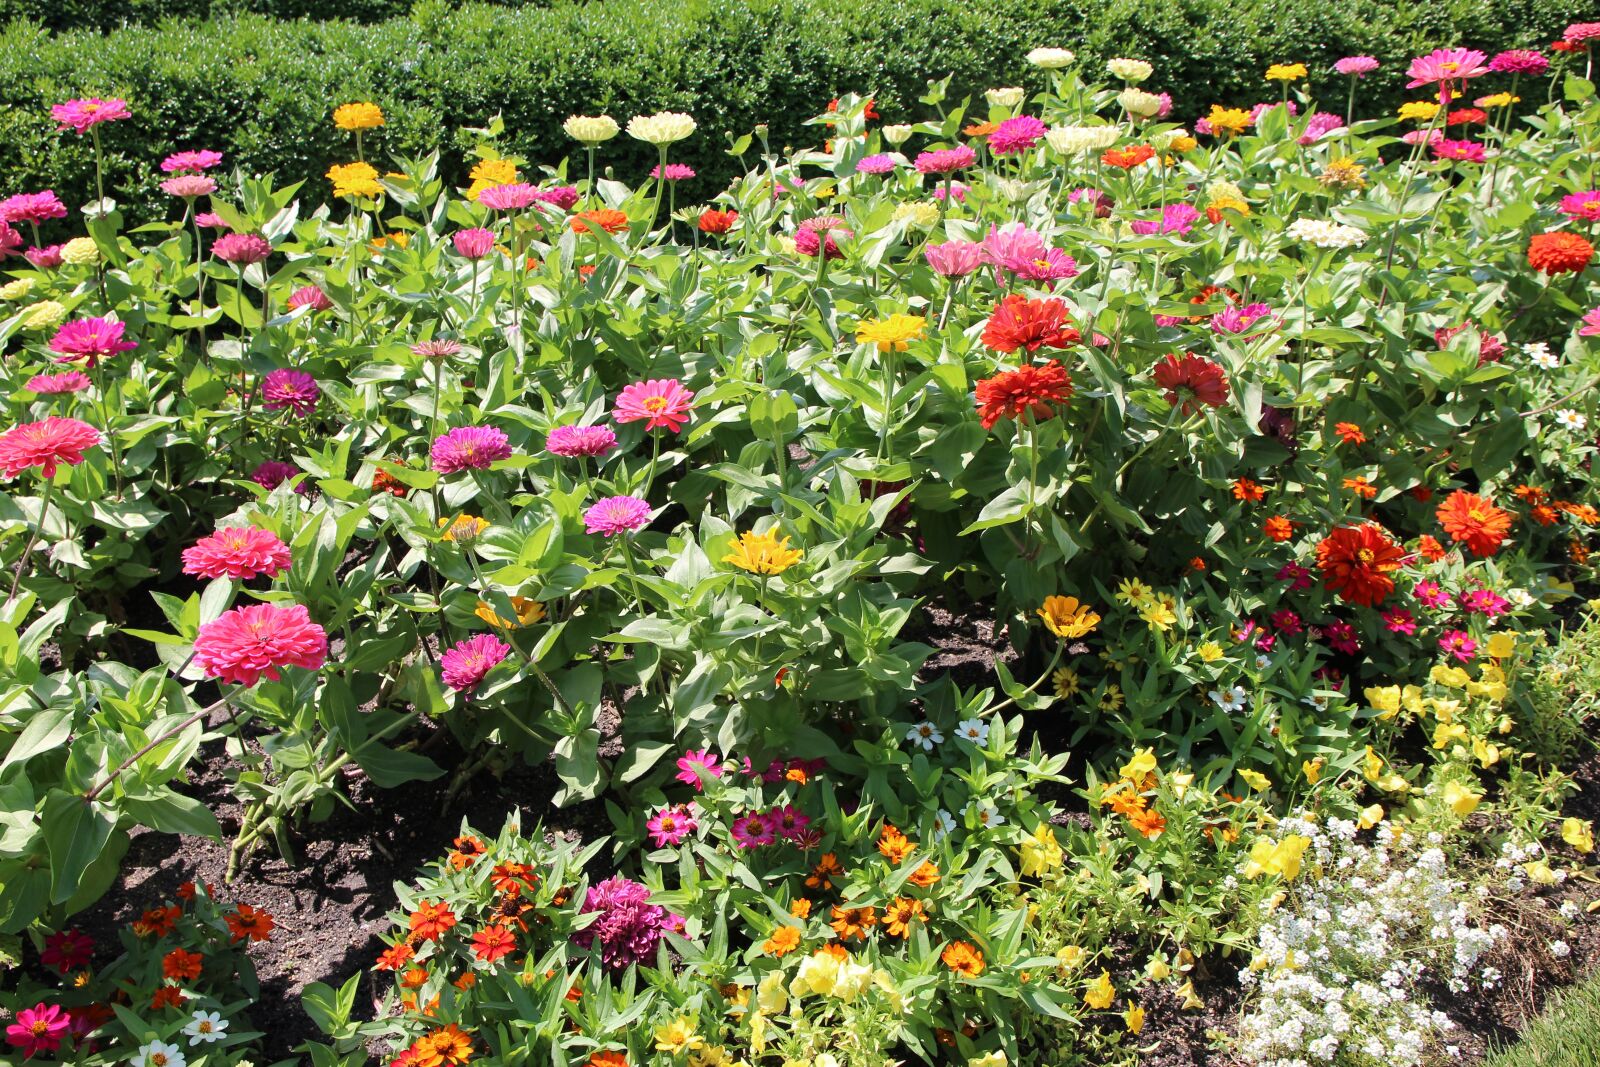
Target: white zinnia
{"points": [[1051, 58], [1006, 98], [1071, 140], [1326, 234], [664, 127], [591, 129], [1129, 70]]}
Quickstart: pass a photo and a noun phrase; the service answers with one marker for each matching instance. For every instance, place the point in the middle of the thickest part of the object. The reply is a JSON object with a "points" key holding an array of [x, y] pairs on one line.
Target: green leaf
{"points": [[75, 832], [45, 730]]}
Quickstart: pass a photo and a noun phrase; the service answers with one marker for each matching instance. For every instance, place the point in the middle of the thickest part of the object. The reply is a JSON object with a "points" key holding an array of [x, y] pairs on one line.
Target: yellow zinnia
{"points": [[1230, 120], [463, 528], [1418, 110], [354, 179], [1066, 618], [362, 116], [763, 553], [893, 334], [528, 612], [1286, 72]]}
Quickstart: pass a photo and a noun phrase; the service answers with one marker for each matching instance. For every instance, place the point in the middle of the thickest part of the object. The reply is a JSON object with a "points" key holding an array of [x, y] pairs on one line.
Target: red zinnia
{"points": [[1018, 322], [181, 965], [1028, 388], [1190, 380], [714, 221], [1355, 562], [493, 942], [1475, 522], [1559, 252], [247, 922], [1127, 158], [242, 645], [608, 219]]}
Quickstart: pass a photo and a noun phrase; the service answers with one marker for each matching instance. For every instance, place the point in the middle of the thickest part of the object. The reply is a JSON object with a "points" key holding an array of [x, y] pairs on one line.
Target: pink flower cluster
{"points": [[629, 928], [1014, 249]]}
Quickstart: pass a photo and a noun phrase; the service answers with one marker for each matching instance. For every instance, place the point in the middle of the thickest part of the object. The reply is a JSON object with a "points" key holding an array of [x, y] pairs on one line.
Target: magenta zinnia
{"points": [[1016, 135], [572, 441], [469, 448], [242, 249], [247, 644], [189, 186], [52, 384], [662, 402], [183, 162], [615, 515], [511, 197], [309, 296], [467, 663], [292, 389], [475, 243], [274, 473], [45, 445], [237, 552], [80, 115], [40, 1028], [1446, 65], [90, 340], [945, 160], [33, 207], [629, 928]]}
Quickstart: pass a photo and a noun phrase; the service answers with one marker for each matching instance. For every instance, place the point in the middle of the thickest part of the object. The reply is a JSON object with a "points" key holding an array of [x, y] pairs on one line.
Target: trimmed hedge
{"points": [[261, 90]]}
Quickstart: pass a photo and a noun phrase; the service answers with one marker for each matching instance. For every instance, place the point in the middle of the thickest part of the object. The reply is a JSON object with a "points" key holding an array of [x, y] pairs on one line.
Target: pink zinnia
{"points": [[50, 384], [671, 825], [675, 172], [1460, 151], [1052, 265], [10, 240], [1430, 593], [438, 349], [1261, 109], [1236, 320], [292, 389], [474, 243], [46, 445], [242, 249], [1356, 66], [468, 662], [752, 831], [1341, 637], [945, 160], [1445, 65], [247, 644], [1015, 135], [1297, 576], [1287, 620], [1416, 137], [1015, 249], [38, 1029], [563, 196], [1591, 324], [309, 296], [46, 258], [822, 235], [1459, 644], [958, 190], [511, 197], [1585, 206], [189, 186], [90, 340], [1102, 203], [1581, 31], [693, 763], [274, 473], [1175, 218], [1483, 601], [662, 402], [1320, 125], [882, 163], [615, 515], [573, 441], [179, 162], [67, 951], [80, 115], [1400, 621], [237, 552], [211, 220], [788, 822], [33, 207], [954, 259], [469, 448], [1520, 61]]}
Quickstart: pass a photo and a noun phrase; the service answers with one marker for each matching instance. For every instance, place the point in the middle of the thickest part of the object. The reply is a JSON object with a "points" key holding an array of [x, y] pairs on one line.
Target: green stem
{"points": [[38, 532]]}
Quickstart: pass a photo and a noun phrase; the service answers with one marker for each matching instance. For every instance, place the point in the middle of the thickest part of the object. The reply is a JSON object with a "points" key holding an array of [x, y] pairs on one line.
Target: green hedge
{"points": [[261, 90]]}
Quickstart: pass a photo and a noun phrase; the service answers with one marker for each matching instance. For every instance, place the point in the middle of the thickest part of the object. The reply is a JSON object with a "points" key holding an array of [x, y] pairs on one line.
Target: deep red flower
{"points": [[1190, 380], [1010, 394], [1355, 562], [1018, 322]]}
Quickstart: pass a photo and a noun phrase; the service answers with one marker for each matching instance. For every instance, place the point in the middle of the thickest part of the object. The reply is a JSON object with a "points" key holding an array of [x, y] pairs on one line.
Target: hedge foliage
{"points": [[262, 89]]}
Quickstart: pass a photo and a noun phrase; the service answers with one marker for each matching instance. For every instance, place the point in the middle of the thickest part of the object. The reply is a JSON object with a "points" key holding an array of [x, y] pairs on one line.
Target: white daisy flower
{"points": [[159, 1054], [1568, 419], [1229, 699], [943, 824], [925, 734], [985, 812], [206, 1027], [974, 730]]}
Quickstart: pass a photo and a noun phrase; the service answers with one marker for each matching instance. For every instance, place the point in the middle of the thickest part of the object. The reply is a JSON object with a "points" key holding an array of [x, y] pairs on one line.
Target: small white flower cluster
{"points": [[1326, 234], [1338, 962]]}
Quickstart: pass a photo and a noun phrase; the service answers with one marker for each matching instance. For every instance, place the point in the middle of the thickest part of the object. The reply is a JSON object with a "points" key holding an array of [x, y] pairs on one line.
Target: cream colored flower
{"points": [[898, 134], [1139, 103], [1051, 58], [662, 128], [1006, 98], [919, 212], [45, 315], [81, 251], [1132, 71], [592, 129], [16, 290], [1071, 140]]}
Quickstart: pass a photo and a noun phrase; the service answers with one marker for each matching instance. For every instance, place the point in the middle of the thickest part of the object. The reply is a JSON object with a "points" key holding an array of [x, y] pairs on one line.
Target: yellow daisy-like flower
{"points": [[1209, 652], [1497, 100], [400, 239], [355, 179], [1158, 616], [893, 334], [1133, 592], [1418, 110], [463, 528], [1111, 699], [1229, 120], [678, 1036], [488, 173], [1286, 72], [362, 116], [763, 553], [1066, 618], [1066, 682], [528, 611], [1343, 173]]}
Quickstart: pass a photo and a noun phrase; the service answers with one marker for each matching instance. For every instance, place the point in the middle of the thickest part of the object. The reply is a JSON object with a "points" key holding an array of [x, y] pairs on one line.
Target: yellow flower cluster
{"points": [[355, 179]]}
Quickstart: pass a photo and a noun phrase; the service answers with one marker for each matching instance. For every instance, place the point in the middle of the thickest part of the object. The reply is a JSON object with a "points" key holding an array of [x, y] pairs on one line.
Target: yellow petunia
{"points": [[1255, 780], [1100, 993], [1277, 858], [1461, 800], [1142, 763], [1371, 815], [1579, 833], [1133, 1019], [1041, 852]]}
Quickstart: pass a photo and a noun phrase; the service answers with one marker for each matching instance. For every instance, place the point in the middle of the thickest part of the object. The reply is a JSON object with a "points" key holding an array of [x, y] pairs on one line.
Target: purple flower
{"points": [[573, 441], [1016, 135], [945, 160], [954, 259], [615, 515], [675, 172], [474, 243], [242, 249], [469, 448], [189, 186], [32, 207], [288, 388], [882, 163], [465, 665], [511, 197], [1356, 66], [629, 928], [179, 162], [274, 473]]}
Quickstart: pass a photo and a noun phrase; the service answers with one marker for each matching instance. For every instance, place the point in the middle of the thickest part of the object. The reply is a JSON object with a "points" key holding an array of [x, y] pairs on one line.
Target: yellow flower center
{"points": [[656, 405], [1366, 555]]}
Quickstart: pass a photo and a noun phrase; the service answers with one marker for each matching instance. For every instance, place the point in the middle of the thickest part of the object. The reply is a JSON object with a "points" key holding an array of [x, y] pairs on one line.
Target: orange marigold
{"points": [[783, 941], [1475, 522]]}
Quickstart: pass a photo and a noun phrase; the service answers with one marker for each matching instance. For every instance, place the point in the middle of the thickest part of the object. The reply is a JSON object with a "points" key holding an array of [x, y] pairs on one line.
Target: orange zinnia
{"points": [[1127, 158], [181, 965], [446, 1047], [800, 908], [963, 958], [1361, 487], [821, 876], [168, 996], [783, 941], [1559, 253], [1475, 522], [1245, 489], [853, 922], [608, 219], [395, 957], [924, 876], [893, 845], [247, 922], [608, 1059], [1350, 433], [900, 914], [1278, 528], [430, 921], [1149, 823], [1011, 394], [1355, 562]]}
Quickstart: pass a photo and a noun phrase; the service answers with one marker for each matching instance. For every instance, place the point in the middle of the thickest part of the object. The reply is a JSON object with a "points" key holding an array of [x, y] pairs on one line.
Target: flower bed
{"points": [[1262, 444]]}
